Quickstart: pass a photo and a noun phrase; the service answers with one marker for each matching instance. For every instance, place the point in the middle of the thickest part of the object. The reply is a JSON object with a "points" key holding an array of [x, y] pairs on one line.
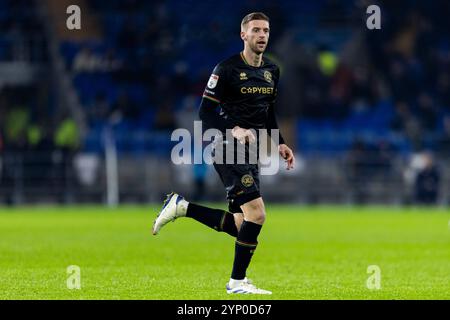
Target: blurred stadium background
{"points": [[86, 115]]}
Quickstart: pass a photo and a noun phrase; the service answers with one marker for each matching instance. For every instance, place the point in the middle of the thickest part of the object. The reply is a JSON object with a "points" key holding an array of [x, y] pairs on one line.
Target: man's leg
{"points": [[230, 222], [219, 220], [247, 238], [175, 206], [246, 242]]}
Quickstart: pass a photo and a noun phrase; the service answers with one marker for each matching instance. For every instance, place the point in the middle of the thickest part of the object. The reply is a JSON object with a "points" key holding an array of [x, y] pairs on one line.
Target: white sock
{"points": [[182, 207], [235, 283]]}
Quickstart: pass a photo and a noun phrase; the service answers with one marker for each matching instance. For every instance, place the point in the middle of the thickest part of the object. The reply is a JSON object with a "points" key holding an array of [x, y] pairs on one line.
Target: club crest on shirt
{"points": [[268, 76], [212, 82], [247, 180]]}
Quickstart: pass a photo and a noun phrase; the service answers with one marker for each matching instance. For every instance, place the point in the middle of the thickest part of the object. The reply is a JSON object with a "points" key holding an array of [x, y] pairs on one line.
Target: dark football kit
{"points": [[238, 94]]}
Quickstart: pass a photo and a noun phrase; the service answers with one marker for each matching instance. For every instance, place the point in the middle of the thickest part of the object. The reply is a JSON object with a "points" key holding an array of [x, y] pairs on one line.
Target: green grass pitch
{"points": [[304, 253]]}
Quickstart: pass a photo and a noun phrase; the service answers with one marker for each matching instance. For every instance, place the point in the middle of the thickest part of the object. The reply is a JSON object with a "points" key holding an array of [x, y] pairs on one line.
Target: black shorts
{"points": [[241, 181]]}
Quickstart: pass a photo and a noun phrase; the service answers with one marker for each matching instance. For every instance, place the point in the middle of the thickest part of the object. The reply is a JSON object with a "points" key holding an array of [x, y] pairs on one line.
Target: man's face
{"points": [[256, 34]]}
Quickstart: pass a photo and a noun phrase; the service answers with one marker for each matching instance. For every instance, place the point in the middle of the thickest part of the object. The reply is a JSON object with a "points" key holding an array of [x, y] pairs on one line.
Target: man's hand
{"points": [[287, 154], [243, 135]]}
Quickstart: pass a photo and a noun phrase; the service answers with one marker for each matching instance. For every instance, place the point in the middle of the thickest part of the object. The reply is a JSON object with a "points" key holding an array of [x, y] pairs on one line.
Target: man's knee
{"points": [[254, 211]]}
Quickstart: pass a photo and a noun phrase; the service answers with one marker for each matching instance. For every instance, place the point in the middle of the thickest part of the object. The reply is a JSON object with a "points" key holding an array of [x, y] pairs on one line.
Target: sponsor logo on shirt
{"points": [[212, 83], [260, 90]]}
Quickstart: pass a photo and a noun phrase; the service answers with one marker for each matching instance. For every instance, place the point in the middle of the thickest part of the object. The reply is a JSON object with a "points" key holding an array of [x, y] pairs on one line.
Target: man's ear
{"points": [[243, 35]]}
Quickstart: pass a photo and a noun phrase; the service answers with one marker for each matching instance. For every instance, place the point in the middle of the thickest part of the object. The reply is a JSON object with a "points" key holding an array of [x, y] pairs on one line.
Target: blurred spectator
{"points": [[314, 100], [444, 139], [404, 120], [327, 61], [67, 142], [426, 111], [164, 119], [358, 170], [17, 120], [67, 135], [427, 182], [340, 90], [99, 109], [382, 158], [362, 90]]}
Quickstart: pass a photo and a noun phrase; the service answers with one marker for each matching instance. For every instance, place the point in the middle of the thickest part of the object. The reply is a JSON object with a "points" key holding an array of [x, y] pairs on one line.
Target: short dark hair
{"points": [[253, 16]]}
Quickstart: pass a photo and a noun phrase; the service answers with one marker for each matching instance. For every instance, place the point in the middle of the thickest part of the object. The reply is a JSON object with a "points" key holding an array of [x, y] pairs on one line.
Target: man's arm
{"points": [[214, 93], [211, 118], [272, 123], [213, 96], [285, 152]]}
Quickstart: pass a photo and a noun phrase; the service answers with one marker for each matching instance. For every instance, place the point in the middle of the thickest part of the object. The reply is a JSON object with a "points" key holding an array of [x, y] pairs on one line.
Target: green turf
{"points": [[304, 253]]}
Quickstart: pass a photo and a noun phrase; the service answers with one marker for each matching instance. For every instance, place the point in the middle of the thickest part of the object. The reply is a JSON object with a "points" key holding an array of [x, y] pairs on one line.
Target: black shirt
{"points": [[245, 94]]}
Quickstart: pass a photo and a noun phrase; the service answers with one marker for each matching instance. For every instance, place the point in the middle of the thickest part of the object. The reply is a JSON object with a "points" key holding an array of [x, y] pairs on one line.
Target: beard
{"points": [[256, 49]]}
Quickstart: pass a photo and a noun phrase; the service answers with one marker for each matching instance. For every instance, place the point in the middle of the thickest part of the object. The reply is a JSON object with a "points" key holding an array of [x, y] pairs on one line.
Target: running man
{"points": [[243, 88]]}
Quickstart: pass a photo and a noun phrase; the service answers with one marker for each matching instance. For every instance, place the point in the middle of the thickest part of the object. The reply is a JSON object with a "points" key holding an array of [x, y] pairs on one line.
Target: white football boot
{"points": [[174, 207], [244, 287]]}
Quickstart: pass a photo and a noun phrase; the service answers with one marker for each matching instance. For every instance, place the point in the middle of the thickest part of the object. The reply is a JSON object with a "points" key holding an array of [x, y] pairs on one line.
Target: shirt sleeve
{"points": [[212, 97], [216, 87], [271, 118]]}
